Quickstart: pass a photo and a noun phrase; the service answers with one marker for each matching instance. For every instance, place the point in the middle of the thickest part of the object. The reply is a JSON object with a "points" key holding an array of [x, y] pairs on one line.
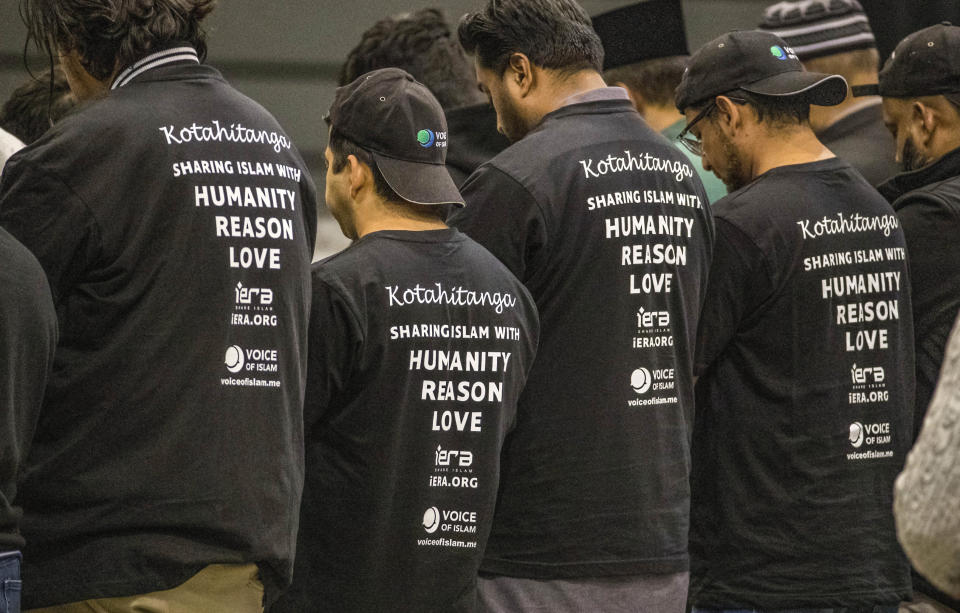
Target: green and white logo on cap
{"points": [[778, 52], [426, 138]]}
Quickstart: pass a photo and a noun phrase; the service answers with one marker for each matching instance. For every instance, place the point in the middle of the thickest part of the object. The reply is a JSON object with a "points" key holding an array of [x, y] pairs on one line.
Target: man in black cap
{"points": [[422, 44], [420, 343], [645, 52], [804, 352], [834, 37], [608, 226], [920, 85]]}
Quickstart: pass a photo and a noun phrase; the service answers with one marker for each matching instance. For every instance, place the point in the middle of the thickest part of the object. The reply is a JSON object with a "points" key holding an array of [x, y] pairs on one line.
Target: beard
{"points": [[911, 158], [509, 120], [733, 176]]}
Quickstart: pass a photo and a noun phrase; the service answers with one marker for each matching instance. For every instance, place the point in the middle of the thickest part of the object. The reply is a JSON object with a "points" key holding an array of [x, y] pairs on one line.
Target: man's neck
{"points": [[559, 88], [366, 224], [787, 147]]}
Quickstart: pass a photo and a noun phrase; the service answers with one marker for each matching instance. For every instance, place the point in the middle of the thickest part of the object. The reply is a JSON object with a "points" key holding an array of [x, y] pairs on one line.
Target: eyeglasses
{"points": [[692, 143]]}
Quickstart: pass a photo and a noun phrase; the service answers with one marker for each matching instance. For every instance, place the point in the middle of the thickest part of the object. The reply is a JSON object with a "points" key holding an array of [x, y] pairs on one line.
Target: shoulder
{"points": [[942, 193]]}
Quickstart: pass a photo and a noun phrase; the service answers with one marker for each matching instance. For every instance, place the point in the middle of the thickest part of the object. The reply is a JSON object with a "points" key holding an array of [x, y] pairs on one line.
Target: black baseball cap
{"points": [[757, 62], [642, 31], [925, 63], [395, 118]]}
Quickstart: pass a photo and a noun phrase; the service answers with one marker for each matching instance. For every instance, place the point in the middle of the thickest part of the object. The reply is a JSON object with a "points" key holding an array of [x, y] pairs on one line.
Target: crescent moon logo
{"points": [[641, 380], [234, 358], [431, 520], [856, 434]]}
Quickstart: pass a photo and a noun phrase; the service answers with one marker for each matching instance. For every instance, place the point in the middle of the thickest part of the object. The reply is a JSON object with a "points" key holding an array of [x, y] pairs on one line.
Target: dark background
{"points": [[286, 54]]}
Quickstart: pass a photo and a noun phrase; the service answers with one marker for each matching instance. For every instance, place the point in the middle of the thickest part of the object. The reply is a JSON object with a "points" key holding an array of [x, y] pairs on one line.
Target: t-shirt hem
{"points": [[569, 570]]}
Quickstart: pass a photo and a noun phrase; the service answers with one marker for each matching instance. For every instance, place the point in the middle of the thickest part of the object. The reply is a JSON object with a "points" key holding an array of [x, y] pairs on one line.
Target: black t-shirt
{"points": [[609, 228], [420, 343], [175, 223], [28, 335], [805, 399]]}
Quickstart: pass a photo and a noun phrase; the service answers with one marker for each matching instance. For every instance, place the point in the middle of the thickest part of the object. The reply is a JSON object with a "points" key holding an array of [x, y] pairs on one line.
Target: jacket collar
{"points": [[946, 167], [181, 53]]}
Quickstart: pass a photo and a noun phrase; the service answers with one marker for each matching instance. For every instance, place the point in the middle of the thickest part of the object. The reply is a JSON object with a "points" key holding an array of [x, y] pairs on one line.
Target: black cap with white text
{"points": [[395, 118], [757, 62]]}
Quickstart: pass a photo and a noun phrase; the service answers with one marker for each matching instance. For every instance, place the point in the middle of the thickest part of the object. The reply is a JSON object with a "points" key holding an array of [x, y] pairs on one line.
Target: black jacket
{"points": [[862, 141], [927, 202], [175, 223], [473, 139]]}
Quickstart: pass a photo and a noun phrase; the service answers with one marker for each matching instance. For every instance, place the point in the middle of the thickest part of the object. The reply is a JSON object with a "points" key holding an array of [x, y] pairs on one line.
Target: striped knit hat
{"points": [[815, 28]]}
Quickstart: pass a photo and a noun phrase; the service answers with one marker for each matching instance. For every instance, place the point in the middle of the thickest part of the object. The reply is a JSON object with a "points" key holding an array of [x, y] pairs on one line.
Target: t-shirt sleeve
{"points": [[334, 349], [43, 213], [739, 281], [503, 216]]}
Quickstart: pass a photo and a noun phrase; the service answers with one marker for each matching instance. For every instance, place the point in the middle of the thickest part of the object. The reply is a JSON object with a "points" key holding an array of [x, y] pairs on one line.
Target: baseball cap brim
{"points": [[820, 89], [418, 182]]}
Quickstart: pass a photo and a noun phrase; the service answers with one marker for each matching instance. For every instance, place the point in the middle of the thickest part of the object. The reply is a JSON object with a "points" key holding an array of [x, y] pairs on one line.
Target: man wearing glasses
{"points": [[804, 351]]}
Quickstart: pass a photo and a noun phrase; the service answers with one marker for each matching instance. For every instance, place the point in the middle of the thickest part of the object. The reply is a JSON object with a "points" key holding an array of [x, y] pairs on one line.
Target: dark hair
{"points": [[36, 105], [110, 33], [422, 44], [654, 79], [778, 111], [554, 34], [341, 147]]}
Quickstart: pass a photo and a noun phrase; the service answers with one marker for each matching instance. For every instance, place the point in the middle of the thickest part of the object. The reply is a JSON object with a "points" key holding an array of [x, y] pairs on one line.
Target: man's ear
{"points": [[924, 118], [360, 175], [729, 115], [519, 74]]}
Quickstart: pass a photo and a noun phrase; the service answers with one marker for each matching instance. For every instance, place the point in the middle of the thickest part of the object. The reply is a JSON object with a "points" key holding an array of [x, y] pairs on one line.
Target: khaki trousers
{"points": [[218, 588]]}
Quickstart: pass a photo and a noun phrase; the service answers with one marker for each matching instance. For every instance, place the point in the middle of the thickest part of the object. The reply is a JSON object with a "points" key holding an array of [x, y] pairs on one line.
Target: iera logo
{"points": [[258, 296], [449, 521], [869, 434], [253, 360], [452, 457], [870, 374], [253, 299], [868, 385], [652, 319], [429, 138]]}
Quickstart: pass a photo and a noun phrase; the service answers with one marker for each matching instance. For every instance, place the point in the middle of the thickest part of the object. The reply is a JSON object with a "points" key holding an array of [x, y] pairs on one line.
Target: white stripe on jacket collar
{"points": [[167, 56]]}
